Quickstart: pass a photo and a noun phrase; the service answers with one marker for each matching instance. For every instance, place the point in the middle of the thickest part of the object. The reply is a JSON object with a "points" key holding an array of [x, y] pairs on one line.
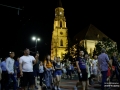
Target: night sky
{"points": [[37, 17]]}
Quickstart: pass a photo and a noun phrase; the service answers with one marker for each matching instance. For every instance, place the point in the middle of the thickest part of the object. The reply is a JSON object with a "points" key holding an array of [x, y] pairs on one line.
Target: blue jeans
{"points": [[48, 78], [12, 77], [104, 79]]}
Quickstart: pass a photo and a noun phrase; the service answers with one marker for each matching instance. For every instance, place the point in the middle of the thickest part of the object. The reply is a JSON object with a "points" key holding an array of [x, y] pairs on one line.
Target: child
{"points": [[64, 71], [109, 73], [41, 72], [72, 70]]}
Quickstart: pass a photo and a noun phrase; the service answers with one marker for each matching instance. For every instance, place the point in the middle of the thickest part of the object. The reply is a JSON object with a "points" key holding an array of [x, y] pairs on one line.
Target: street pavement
{"points": [[70, 84], [67, 84]]}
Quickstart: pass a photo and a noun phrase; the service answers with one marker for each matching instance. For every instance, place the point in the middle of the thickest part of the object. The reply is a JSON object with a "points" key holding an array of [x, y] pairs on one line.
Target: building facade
{"points": [[59, 40], [89, 37]]}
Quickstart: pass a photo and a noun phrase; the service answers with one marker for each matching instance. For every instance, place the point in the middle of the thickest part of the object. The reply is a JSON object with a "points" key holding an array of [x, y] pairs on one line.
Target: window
{"points": [[61, 33], [61, 42], [60, 23]]}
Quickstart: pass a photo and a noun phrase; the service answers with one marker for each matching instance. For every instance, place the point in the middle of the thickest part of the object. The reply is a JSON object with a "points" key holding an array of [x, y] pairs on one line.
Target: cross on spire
{"points": [[60, 3]]}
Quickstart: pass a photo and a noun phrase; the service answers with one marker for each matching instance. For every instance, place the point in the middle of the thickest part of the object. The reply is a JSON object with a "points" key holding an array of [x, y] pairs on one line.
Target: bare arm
{"points": [[45, 64], [108, 61], [77, 65], [109, 64], [20, 66], [61, 66], [34, 62]]}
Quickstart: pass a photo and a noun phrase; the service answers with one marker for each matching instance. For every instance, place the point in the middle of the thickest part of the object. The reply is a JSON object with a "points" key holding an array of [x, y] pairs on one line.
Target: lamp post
{"points": [[36, 40]]}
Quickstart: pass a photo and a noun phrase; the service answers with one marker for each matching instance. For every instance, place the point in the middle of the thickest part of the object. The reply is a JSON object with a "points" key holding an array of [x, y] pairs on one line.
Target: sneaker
{"points": [[55, 88], [59, 88]]}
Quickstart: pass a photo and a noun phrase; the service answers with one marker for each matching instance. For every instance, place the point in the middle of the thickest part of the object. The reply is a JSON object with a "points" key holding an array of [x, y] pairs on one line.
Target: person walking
{"points": [[103, 61], [58, 73], [4, 76], [18, 72], [26, 69], [82, 70], [10, 64], [114, 60], [36, 69], [48, 72]]}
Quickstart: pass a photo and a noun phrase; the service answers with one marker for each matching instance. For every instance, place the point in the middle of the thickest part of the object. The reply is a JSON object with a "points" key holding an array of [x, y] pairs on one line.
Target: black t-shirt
{"points": [[114, 61], [36, 66]]}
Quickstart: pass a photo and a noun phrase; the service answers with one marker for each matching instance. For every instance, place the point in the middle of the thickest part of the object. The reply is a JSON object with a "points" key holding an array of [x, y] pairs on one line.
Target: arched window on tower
{"points": [[60, 23], [61, 42]]}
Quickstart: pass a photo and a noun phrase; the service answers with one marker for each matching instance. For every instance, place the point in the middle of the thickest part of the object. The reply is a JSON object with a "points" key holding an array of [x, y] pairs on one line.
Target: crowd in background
{"points": [[25, 72]]}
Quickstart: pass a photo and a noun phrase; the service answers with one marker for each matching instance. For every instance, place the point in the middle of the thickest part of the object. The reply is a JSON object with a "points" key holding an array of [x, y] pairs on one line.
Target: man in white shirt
{"points": [[26, 69]]}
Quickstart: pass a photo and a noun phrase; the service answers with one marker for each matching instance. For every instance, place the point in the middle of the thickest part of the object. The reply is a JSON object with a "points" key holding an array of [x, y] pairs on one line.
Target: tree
{"points": [[80, 47], [67, 55], [73, 49], [106, 43]]}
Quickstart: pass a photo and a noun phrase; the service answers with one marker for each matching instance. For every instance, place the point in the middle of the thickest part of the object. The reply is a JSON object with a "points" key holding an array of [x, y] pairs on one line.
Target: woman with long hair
{"points": [[58, 73], [48, 71], [36, 69]]}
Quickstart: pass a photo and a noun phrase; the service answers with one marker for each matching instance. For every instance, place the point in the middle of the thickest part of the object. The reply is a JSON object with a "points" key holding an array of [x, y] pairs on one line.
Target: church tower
{"points": [[59, 40]]}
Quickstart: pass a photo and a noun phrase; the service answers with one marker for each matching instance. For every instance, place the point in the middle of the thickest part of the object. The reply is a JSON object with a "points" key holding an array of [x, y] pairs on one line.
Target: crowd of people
{"points": [[102, 68], [24, 72]]}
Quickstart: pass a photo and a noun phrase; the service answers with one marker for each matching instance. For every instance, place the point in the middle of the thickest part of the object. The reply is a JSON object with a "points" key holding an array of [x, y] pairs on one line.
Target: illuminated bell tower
{"points": [[59, 40]]}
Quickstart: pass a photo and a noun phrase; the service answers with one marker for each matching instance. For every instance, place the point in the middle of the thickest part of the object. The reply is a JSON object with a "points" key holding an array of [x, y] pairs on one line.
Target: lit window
{"points": [[61, 42], [60, 23]]}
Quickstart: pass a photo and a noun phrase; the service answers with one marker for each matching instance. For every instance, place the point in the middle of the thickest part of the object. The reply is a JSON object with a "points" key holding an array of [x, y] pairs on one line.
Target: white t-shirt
{"points": [[27, 63], [94, 62], [41, 69]]}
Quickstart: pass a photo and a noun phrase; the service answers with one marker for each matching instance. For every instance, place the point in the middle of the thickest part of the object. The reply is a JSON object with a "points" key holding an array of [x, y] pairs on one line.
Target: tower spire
{"points": [[60, 3]]}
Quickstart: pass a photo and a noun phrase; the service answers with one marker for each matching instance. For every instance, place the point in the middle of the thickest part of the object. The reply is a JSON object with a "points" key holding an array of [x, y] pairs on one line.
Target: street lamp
{"points": [[36, 40]]}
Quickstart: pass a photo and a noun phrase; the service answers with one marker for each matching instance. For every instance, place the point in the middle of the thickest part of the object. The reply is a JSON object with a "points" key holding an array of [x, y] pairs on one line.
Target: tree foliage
{"points": [[73, 50], [106, 43], [67, 55], [80, 47]]}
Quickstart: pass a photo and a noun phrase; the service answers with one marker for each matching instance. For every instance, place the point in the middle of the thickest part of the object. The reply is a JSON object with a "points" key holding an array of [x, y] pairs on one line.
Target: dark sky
{"points": [[37, 17]]}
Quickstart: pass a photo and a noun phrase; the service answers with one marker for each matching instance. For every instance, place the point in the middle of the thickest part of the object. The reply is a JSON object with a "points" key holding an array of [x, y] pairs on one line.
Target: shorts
{"points": [[28, 77], [36, 73], [58, 72], [84, 75]]}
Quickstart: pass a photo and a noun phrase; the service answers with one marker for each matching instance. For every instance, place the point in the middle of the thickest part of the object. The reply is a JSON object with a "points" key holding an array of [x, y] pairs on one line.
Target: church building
{"points": [[89, 37], [59, 40]]}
